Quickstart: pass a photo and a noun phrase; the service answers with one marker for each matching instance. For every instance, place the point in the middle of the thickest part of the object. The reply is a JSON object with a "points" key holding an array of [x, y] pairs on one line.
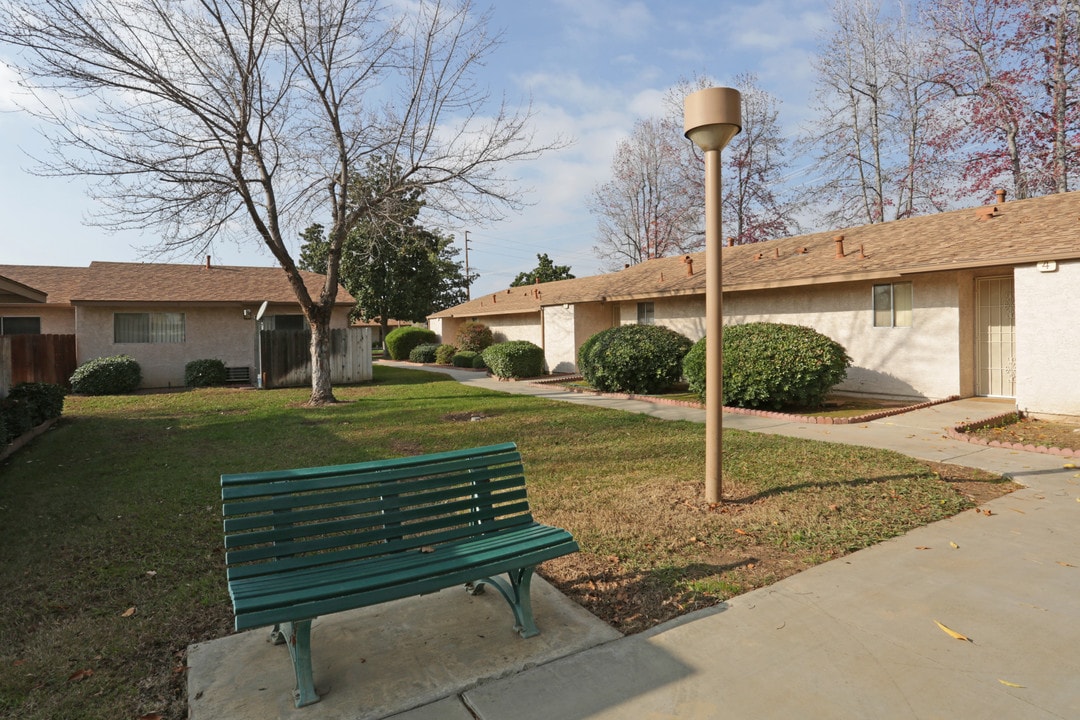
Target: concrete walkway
{"points": [[853, 638]]}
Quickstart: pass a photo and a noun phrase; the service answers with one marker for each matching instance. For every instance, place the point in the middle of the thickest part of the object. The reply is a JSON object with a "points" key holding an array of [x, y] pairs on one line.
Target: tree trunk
{"points": [[384, 328], [322, 391]]}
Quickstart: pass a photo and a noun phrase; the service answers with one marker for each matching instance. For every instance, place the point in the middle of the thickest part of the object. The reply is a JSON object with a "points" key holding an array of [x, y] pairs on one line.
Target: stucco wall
{"points": [[921, 361], [55, 320], [1047, 339], [219, 333], [526, 326], [684, 315]]}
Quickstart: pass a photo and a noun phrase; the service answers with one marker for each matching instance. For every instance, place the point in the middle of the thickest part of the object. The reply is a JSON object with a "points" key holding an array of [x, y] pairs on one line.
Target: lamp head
{"points": [[711, 117]]}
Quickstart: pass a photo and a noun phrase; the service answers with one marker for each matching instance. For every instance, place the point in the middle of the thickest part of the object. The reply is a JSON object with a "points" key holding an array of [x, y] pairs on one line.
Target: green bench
{"points": [[309, 542]]}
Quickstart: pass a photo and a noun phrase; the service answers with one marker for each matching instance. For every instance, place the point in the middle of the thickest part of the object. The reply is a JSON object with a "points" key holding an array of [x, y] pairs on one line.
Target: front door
{"points": [[995, 337]]}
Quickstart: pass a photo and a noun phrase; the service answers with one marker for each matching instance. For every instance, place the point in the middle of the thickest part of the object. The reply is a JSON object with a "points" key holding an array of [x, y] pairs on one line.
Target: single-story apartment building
{"points": [[163, 315], [974, 302]]}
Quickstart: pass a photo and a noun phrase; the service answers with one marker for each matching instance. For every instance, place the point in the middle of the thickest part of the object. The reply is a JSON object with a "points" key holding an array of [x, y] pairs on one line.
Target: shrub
{"points": [[17, 418], [478, 362], [693, 368], [424, 353], [400, 341], [633, 358], [514, 359], [444, 355], [204, 373], [773, 365], [114, 375], [475, 336], [43, 401], [465, 358]]}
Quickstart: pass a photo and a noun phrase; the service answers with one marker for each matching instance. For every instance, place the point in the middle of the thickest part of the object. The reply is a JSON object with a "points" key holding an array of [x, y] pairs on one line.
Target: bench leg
{"points": [[297, 637], [516, 592]]}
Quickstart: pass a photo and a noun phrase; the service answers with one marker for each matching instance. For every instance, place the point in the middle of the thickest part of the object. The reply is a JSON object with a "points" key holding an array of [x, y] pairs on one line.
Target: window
{"points": [[148, 327], [289, 322], [20, 326], [892, 305], [645, 313]]}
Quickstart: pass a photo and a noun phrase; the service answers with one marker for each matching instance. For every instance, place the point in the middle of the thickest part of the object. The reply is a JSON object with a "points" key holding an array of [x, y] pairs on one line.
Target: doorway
{"points": [[995, 337]]}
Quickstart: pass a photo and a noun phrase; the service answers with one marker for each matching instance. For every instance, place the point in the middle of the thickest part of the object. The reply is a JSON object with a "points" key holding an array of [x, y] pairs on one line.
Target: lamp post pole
{"points": [[711, 118]]}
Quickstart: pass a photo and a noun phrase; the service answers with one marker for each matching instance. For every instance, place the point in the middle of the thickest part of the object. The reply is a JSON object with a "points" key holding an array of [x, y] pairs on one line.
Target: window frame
{"points": [[5, 319], [900, 307], [161, 328], [646, 313]]}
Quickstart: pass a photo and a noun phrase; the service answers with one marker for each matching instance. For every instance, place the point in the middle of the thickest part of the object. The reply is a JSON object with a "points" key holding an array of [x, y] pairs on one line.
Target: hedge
{"points": [[633, 358], [514, 359], [115, 375], [400, 341]]}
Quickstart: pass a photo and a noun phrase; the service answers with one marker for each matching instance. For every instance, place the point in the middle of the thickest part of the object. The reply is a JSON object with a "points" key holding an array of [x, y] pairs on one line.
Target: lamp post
{"points": [[711, 117]]}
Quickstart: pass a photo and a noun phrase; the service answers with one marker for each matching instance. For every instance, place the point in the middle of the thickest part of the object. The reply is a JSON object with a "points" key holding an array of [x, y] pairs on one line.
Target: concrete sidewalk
{"points": [[853, 638]]}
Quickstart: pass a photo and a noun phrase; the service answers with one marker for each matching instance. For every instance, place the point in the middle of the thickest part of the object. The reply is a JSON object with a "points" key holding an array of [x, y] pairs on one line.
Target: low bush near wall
{"points": [[515, 359], [27, 406], [400, 341], [475, 336], [773, 366], [633, 358], [465, 358], [444, 355], [114, 375], [205, 373], [423, 353]]}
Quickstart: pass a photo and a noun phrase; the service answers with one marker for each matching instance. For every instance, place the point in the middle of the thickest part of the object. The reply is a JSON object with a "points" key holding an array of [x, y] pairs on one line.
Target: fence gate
{"points": [[285, 357], [36, 358]]}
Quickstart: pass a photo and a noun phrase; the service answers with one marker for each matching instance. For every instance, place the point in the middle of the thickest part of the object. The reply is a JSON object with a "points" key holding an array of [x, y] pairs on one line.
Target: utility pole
{"points": [[468, 282]]}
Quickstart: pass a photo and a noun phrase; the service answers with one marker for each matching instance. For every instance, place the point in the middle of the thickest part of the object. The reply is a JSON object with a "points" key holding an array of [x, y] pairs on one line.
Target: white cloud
{"points": [[626, 20]]}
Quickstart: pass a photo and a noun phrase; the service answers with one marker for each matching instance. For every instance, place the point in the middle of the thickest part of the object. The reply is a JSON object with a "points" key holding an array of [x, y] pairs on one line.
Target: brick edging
{"points": [[960, 432], [19, 442]]}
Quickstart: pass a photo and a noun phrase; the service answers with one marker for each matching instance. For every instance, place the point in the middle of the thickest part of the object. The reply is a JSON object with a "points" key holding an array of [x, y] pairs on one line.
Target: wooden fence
{"points": [[36, 358], [285, 357]]}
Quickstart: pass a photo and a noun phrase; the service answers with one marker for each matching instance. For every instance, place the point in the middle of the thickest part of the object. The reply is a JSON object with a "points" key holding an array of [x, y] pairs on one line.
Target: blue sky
{"points": [[591, 68]]}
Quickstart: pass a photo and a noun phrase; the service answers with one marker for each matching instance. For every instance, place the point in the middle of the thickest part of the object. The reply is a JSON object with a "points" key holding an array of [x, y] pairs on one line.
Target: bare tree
{"points": [[646, 210], [250, 118]]}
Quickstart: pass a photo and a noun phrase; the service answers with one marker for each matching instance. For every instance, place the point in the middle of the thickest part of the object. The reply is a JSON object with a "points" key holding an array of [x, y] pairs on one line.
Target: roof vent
{"points": [[207, 262], [985, 213], [1000, 193], [839, 240], [801, 251], [730, 241], [689, 261]]}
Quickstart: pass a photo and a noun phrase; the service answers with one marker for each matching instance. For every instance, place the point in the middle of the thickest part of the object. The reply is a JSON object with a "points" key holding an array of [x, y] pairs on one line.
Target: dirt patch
{"points": [[466, 416], [405, 447], [1030, 431]]}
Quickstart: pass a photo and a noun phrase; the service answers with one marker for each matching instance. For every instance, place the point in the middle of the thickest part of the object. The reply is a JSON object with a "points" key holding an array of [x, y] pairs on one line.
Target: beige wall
{"points": [[560, 348], [219, 333], [55, 319], [920, 361], [1048, 339], [528, 326]]}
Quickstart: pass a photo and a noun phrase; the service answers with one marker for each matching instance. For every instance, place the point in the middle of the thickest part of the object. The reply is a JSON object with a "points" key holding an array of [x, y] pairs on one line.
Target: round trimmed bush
{"points": [[205, 373], [113, 375], [693, 368], [774, 365], [400, 341], [475, 336], [514, 359], [444, 355], [465, 358], [423, 353], [633, 358], [478, 362]]}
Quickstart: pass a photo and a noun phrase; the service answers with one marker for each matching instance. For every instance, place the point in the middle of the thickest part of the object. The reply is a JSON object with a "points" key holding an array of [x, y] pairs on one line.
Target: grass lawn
{"points": [[112, 559]]}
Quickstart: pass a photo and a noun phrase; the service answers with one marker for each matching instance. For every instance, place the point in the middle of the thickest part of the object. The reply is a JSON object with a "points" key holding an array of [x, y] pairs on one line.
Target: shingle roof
{"points": [[160, 282], [1021, 231]]}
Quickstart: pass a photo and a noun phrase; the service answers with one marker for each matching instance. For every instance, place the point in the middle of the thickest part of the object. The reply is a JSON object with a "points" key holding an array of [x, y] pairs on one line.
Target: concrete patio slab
{"points": [[387, 659]]}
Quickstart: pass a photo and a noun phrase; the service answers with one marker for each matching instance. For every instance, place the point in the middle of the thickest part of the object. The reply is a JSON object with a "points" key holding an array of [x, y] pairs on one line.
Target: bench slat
{"points": [[247, 485], [327, 535], [252, 514], [453, 574]]}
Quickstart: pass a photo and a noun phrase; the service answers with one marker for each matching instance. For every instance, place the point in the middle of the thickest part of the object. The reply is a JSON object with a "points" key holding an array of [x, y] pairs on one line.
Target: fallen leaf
{"points": [[129, 612], [987, 512], [80, 675], [952, 633], [923, 547], [151, 573], [954, 545], [1009, 684], [740, 531], [1064, 564], [1015, 510], [1069, 465]]}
